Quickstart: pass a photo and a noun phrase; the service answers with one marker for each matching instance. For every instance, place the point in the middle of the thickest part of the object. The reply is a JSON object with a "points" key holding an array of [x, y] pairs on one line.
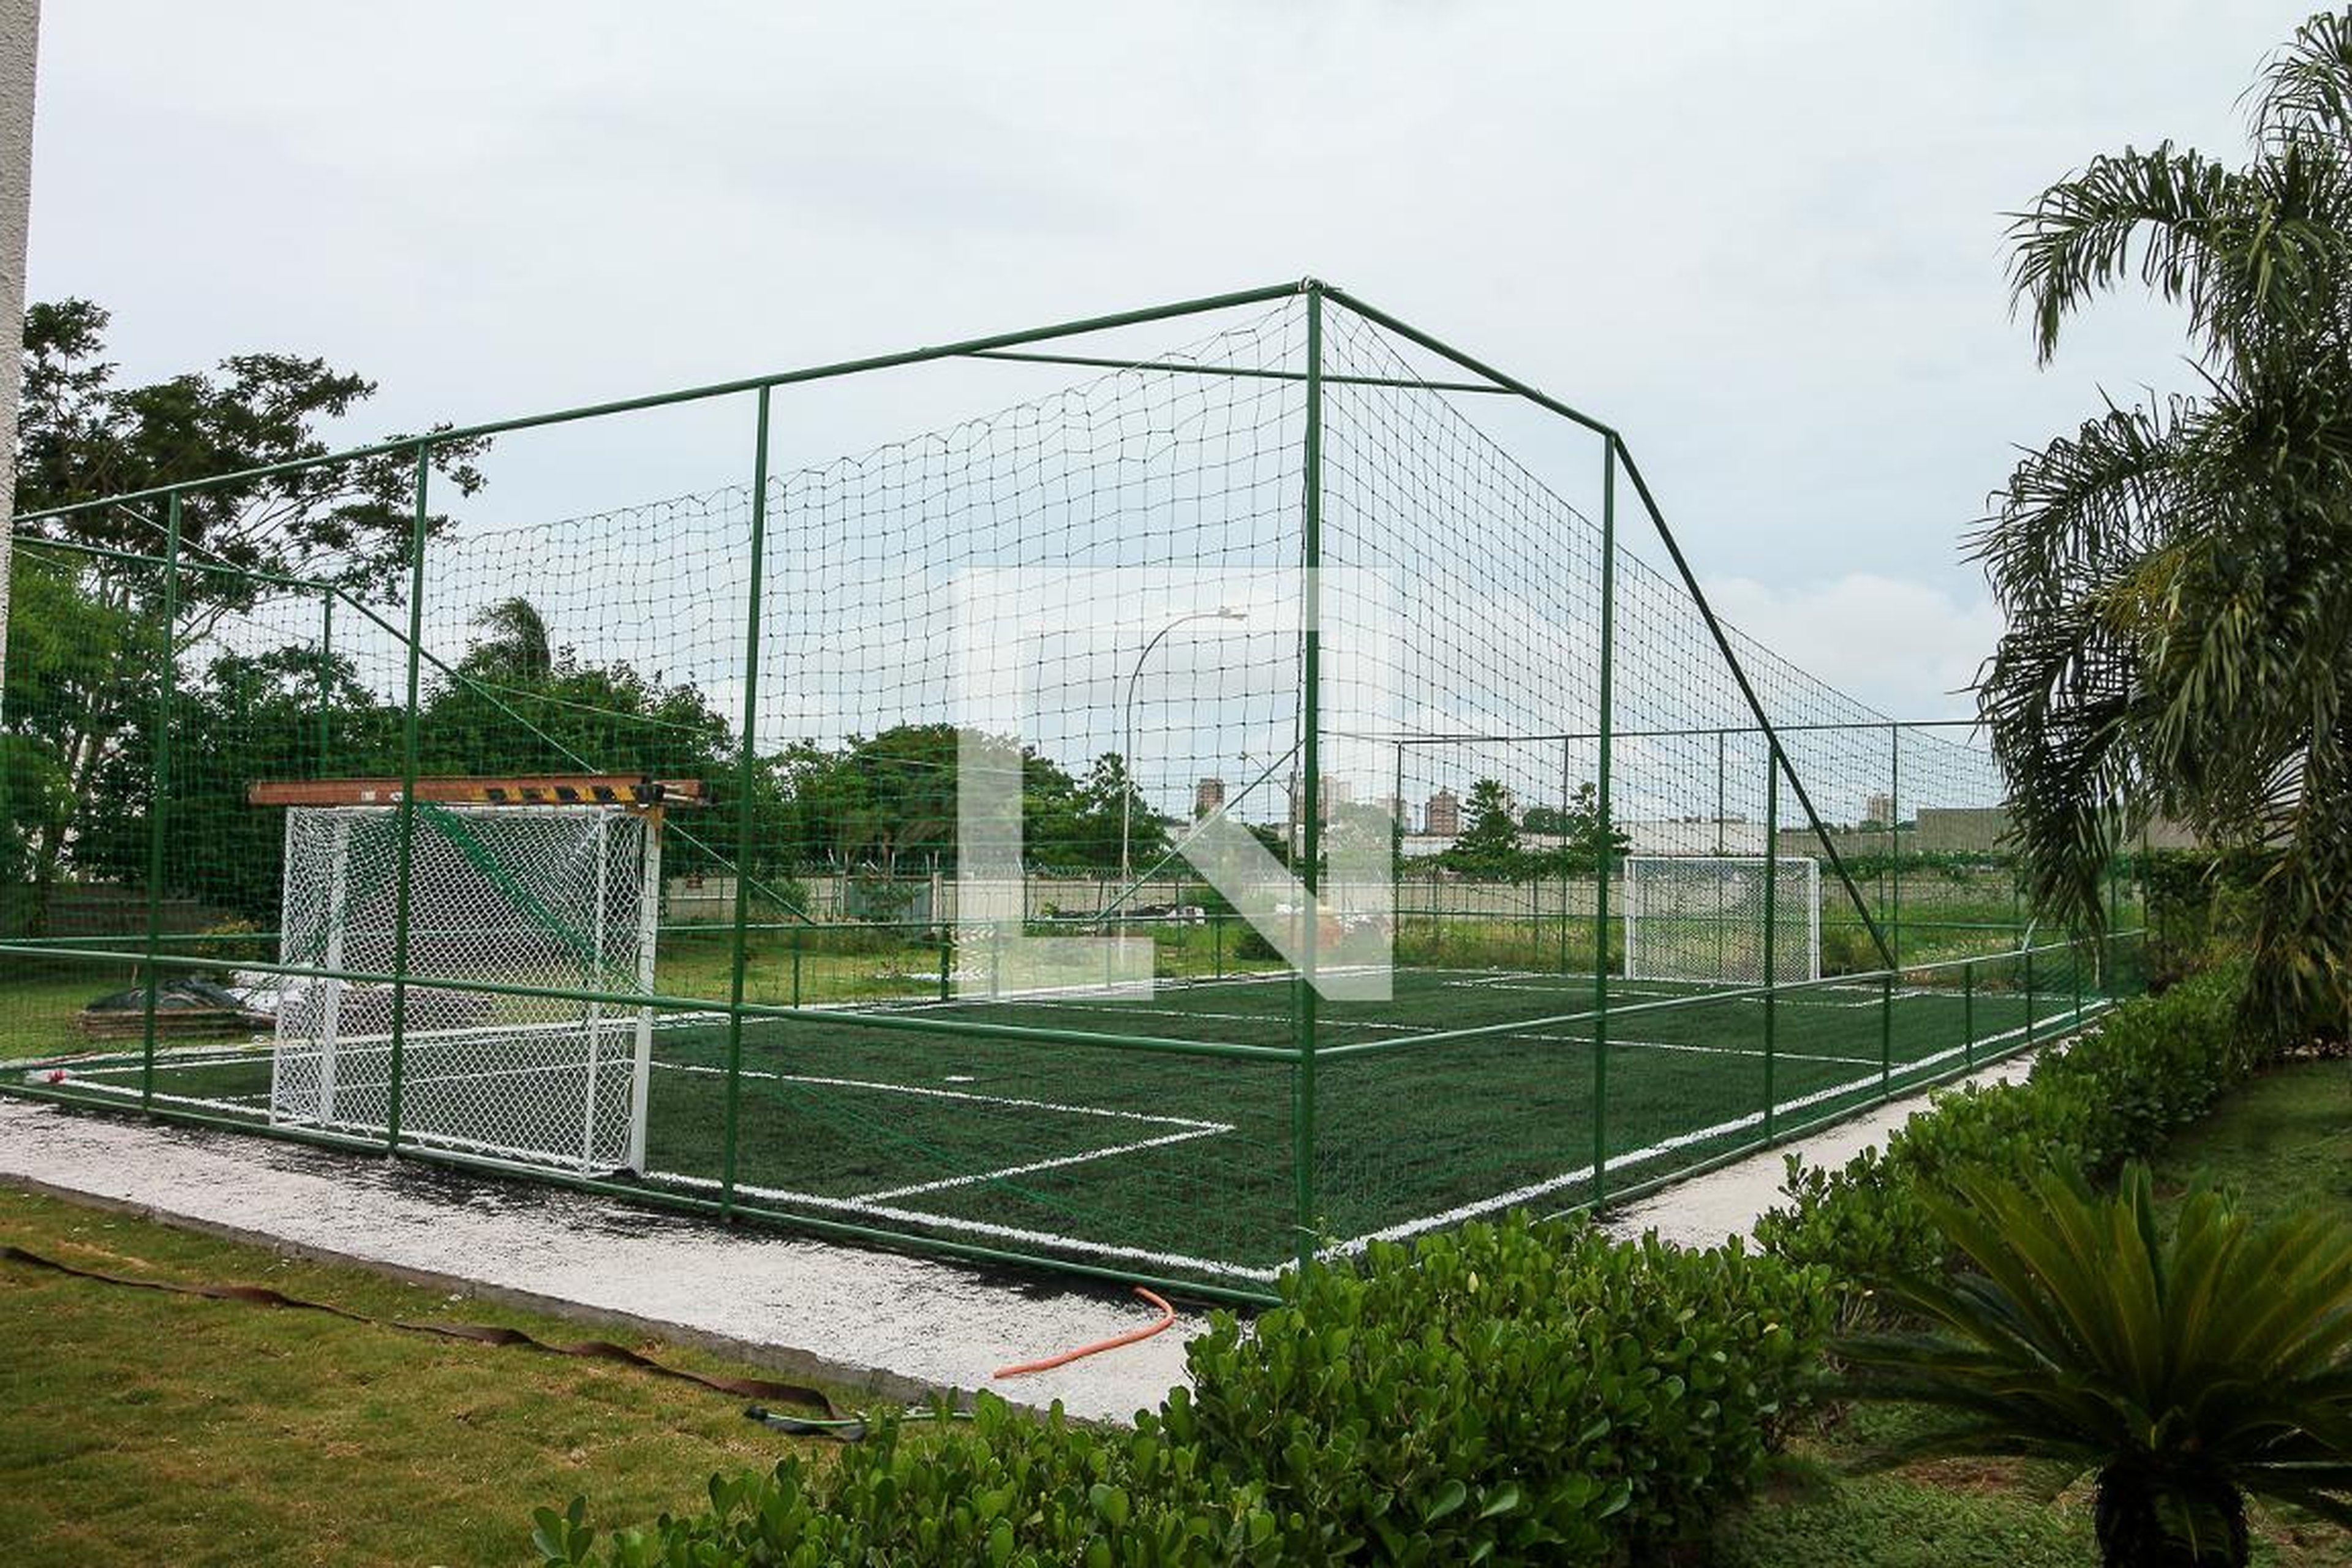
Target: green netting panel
{"points": [[1095, 589]]}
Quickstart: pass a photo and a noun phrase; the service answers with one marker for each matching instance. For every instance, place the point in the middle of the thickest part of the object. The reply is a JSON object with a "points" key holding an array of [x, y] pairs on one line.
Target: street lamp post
{"points": [[1127, 749]]}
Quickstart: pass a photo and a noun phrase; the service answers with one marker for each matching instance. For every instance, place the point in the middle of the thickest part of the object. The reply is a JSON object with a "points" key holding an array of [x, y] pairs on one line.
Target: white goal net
{"points": [[1701, 917], [551, 897]]}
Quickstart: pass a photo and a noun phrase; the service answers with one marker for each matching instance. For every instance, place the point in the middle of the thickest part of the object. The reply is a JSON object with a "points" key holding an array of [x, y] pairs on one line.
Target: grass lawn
{"points": [[146, 1427], [2280, 1143]]}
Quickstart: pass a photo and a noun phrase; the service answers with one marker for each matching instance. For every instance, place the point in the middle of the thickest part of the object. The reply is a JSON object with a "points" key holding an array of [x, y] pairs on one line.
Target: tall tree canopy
{"points": [[2177, 573], [87, 639]]}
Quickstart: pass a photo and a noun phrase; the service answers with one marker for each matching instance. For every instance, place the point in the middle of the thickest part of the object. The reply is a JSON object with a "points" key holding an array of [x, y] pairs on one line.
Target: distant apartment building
{"points": [[1879, 808], [1441, 817], [1208, 795]]}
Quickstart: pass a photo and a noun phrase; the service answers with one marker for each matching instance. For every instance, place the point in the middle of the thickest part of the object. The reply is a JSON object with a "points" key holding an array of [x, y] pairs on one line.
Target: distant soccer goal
{"points": [[557, 890], [1702, 918]]}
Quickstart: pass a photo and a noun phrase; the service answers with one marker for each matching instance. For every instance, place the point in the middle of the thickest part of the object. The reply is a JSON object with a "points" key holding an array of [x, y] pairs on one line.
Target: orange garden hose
{"points": [[1167, 1315]]}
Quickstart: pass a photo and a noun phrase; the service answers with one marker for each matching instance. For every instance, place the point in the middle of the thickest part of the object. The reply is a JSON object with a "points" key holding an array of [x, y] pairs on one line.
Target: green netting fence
{"points": [[1385, 830]]}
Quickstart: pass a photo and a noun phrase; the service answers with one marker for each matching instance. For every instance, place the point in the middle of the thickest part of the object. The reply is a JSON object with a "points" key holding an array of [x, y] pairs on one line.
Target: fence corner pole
{"points": [[403, 876], [1310, 804], [1772, 935], [746, 781], [1895, 839], [159, 800], [1604, 842]]}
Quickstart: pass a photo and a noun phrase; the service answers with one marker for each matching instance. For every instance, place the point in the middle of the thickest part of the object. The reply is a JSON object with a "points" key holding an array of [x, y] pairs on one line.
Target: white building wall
{"points": [[19, 49]]}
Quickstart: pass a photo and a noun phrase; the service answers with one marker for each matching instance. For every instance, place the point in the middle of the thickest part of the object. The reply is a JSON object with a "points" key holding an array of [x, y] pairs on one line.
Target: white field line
{"points": [[1614, 1043], [1193, 1127], [212, 1054], [245, 1103], [1197, 1127], [1036, 1165], [867, 1209], [1668, 1145]]}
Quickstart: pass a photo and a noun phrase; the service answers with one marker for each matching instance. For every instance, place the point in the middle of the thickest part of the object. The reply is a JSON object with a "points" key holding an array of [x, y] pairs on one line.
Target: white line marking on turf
{"points": [[928, 1093], [862, 1209], [1035, 1165]]}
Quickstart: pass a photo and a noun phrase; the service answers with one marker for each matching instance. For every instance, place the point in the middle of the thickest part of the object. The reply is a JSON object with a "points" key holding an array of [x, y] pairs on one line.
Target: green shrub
{"points": [[1251, 945], [1007, 1492], [1511, 1392], [2154, 1065]]}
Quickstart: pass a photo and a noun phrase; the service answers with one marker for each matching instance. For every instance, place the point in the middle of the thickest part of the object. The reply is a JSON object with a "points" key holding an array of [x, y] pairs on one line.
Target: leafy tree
{"points": [[887, 804], [84, 435], [1587, 842], [516, 703], [2178, 575], [1489, 845], [275, 714], [516, 645], [2184, 1370]]}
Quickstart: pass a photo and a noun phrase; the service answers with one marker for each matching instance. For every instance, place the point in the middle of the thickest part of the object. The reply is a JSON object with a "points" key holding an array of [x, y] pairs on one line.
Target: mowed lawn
{"points": [[137, 1427]]}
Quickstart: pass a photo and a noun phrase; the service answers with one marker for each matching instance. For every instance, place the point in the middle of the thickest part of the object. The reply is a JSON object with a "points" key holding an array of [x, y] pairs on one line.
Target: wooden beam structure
{"points": [[531, 789]]}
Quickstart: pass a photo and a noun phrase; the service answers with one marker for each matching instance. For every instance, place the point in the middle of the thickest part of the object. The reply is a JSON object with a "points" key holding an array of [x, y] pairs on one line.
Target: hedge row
{"points": [[1508, 1391], [2152, 1065]]}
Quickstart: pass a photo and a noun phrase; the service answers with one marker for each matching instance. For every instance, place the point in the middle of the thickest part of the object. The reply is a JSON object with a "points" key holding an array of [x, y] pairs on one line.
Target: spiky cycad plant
{"points": [[2186, 1370]]}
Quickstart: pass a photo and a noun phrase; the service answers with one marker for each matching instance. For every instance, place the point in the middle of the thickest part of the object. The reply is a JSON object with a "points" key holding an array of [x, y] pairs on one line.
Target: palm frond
{"points": [[2169, 215], [2307, 87]]}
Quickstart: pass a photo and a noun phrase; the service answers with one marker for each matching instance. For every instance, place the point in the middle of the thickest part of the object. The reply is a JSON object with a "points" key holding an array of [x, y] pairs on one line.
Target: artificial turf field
{"points": [[1171, 1163]]}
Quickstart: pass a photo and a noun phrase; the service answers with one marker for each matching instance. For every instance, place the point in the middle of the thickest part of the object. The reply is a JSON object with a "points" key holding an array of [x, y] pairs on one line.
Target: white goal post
{"points": [[1700, 918], [550, 897]]}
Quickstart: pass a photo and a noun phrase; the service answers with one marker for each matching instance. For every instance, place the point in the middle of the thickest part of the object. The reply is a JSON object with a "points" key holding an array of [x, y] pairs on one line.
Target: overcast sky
{"points": [[1764, 241]]}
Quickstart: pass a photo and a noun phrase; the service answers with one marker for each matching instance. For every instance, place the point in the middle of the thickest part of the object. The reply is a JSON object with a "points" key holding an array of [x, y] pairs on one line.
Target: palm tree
{"points": [[2178, 575], [514, 645], [2186, 1372]]}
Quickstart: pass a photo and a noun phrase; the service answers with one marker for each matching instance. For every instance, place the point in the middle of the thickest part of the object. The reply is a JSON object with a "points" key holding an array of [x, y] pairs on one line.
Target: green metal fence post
{"points": [[326, 677], [1722, 804], [746, 775], [1601, 852], [1968, 1013], [404, 856], [2029, 995], [1895, 840], [1311, 806], [1887, 1032], [1771, 935], [160, 795]]}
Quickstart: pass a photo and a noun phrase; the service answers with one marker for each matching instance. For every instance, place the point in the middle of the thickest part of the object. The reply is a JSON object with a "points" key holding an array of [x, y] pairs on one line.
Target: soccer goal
{"points": [[1701, 917], [529, 885]]}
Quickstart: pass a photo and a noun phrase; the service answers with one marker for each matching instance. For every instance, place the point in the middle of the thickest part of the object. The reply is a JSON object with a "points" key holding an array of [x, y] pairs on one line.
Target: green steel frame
{"points": [[1301, 1059]]}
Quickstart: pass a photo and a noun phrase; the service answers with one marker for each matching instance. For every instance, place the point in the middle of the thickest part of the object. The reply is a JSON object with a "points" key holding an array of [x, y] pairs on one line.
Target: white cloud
{"points": [[1907, 648]]}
